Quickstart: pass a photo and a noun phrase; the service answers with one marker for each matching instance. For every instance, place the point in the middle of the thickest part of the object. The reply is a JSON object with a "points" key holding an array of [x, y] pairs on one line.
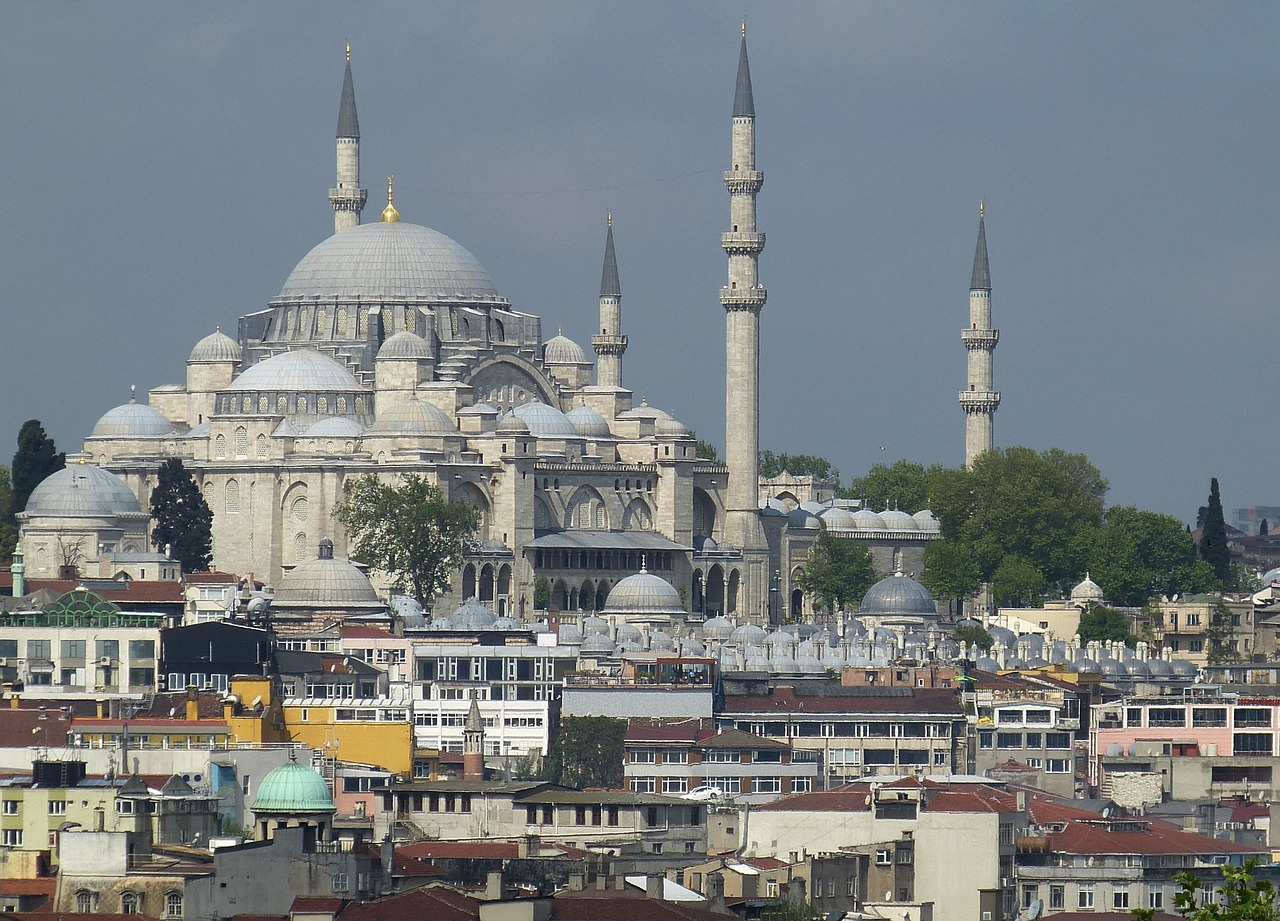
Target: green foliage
{"points": [[704, 450], [901, 485], [1105, 625], [1136, 554], [1213, 537], [587, 752], [950, 571], [409, 531], [837, 572], [975, 635], [771, 465], [8, 523], [1241, 897], [1219, 646], [541, 593], [182, 518], [1017, 582], [37, 457]]}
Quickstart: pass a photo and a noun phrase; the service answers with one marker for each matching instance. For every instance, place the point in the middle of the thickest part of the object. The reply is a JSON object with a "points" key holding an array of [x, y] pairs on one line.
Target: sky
{"points": [[168, 164]]}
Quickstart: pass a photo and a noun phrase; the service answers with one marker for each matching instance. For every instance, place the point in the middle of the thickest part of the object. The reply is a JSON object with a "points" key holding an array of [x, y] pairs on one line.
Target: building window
{"points": [[339, 882], [1120, 896], [767, 785], [232, 495], [675, 785], [130, 903], [1155, 899], [220, 447], [84, 901], [883, 858], [1084, 895], [675, 756], [173, 905], [643, 756], [801, 784], [261, 442], [242, 441], [771, 889], [11, 837], [57, 807], [11, 806]]}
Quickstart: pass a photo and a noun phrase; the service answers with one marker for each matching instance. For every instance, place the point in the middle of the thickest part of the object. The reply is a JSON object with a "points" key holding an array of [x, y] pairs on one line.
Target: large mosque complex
{"points": [[389, 350]]}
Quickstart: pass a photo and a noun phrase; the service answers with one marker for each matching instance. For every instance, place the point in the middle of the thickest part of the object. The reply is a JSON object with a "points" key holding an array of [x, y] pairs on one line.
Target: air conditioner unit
{"points": [[3, 662], [105, 661]]}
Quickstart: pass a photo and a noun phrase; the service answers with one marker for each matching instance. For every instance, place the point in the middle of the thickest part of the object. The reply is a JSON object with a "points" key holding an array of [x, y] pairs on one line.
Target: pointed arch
{"points": [[704, 513], [469, 581], [585, 510], [637, 516], [544, 519], [471, 494]]}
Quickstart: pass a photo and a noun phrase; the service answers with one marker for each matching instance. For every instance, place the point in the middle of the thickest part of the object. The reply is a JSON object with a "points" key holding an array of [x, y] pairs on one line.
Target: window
{"points": [[84, 901], [11, 837], [130, 903], [1057, 740], [642, 785], [883, 858], [142, 649], [124, 806], [723, 756], [1252, 743], [985, 738], [1035, 739], [1057, 897], [767, 785], [73, 649], [1057, 766], [1252, 717], [771, 889], [242, 441], [801, 784], [261, 443], [232, 497], [11, 806], [1009, 739], [1167, 716], [643, 756], [57, 807], [339, 882], [1120, 896], [39, 649], [1155, 899], [1084, 895], [173, 905], [675, 756], [675, 785]]}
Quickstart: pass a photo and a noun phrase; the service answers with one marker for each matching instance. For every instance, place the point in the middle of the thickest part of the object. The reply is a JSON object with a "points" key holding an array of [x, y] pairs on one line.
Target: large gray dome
{"points": [[896, 595], [217, 347], [546, 421], [391, 262], [644, 593], [132, 420], [82, 491], [413, 417], [299, 371], [325, 584]]}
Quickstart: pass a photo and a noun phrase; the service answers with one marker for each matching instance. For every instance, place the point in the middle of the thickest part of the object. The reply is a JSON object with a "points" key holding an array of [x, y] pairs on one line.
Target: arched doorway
{"points": [[731, 596], [715, 591], [486, 583], [699, 599], [468, 581], [797, 604]]}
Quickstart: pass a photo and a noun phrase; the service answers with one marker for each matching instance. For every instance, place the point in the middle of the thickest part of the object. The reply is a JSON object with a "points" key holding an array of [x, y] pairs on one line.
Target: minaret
{"points": [[610, 343], [348, 198], [473, 743], [743, 297], [981, 399]]}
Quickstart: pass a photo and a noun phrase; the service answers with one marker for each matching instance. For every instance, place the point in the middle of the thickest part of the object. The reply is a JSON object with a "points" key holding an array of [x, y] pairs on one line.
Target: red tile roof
{"points": [[316, 903], [135, 591], [10, 887], [594, 905], [1098, 838], [211, 578], [427, 903], [21, 728], [491, 850], [361, 632], [785, 700]]}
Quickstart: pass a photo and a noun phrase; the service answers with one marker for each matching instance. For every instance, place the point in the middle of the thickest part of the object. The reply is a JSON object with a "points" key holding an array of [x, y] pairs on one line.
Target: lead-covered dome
{"points": [[561, 350], [546, 421], [216, 347], [405, 345], [588, 422], [390, 262], [82, 491], [302, 370], [412, 417], [293, 788], [896, 595], [132, 420], [325, 584], [644, 593]]}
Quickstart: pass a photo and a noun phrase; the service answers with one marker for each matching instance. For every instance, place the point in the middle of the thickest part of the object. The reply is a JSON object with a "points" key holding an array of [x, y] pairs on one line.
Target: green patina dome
{"points": [[293, 788]]}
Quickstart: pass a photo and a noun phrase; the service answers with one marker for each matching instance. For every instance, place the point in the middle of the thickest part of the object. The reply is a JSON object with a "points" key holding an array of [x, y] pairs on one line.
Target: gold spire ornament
{"points": [[982, 208], [389, 214], [348, 52]]}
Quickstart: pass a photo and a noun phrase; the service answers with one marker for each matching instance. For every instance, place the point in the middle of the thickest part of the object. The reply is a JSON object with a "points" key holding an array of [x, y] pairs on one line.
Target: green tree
{"points": [[1017, 582], [950, 571], [837, 572], [409, 531], [902, 485], [8, 523], [704, 450], [1105, 625], [1213, 536], [1241, 897], [1137, 554], [975, 635], [1220, 643], [37, 457], [772, 465], [587, 752], [183, 521], [541, 593]]}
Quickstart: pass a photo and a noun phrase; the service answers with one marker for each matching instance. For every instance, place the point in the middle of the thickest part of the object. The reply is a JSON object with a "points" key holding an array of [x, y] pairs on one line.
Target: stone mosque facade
{"points": [[389, 350]]}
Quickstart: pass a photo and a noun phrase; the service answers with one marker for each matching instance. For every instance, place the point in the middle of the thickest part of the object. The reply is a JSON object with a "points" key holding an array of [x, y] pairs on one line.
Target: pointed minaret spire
{"points": [[981, 400], [743, 103], [347, 198], [610, 343]]}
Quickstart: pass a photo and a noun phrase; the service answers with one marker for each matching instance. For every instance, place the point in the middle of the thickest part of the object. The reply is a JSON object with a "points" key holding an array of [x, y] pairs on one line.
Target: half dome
{"points": [[302, 371]]}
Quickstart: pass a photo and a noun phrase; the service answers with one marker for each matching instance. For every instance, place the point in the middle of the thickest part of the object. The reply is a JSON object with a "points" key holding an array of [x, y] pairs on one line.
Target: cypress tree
{"points": [[182, 517], [1213, 539], [37, 457]]}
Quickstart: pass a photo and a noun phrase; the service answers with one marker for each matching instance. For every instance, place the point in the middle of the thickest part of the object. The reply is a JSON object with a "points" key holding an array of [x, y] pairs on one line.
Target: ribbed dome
{"points": [[325, 584], [803, 519], [644, 411], [302, 371], [334, 427], [867, 520], [217, 346], [546, 421], [1088, 590], [927, 521], [406, 345], [293, 788], [512, 424], [132, 420], [412, 417], [560, 349], [898, 594], [895, 520], [82, 491], [588, 422], [840, 519], [391, 262], [670, 428], [644, 593]]}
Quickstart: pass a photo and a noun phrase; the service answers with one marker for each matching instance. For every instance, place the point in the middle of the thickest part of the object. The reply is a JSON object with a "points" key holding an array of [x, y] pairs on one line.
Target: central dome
{"points": [[644, 593], [293, 788], [391, 262]]}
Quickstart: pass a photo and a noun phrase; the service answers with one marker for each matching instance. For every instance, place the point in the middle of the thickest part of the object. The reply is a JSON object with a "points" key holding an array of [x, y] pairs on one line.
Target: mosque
{"points": [[389, 350]]}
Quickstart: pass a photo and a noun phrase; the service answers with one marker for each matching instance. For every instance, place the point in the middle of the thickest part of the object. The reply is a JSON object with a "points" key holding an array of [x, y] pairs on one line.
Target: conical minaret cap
{"points": [[348, 123], [609, 284], [743, 103], [981, 268]]}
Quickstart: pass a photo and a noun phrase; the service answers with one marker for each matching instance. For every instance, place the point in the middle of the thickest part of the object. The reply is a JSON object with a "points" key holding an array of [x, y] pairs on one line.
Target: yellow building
{"points": [[374, 731]]}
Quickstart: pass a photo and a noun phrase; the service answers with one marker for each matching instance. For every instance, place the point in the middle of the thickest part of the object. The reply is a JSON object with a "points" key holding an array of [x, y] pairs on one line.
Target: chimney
{"points": [[601, 879], [715, 892], [388, 858], [193, 702], [493, 886], [576, 883], [99, 819], [653, 886], [1020, 800], [528, 846]]}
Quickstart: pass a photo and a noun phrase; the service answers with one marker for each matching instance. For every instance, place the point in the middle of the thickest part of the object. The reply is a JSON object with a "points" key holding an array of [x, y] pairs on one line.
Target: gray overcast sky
{"points": [[167, 164]]}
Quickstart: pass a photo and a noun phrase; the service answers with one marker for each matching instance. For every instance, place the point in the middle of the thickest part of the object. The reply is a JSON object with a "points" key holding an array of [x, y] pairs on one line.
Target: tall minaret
{"points": [[743, 298], [981, 399], [348, 198], [610, 343]]}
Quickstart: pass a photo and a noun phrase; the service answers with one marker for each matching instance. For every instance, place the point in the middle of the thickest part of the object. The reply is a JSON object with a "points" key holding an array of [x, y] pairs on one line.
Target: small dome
{"points": [[643, 593], [803, 520], [302, 370], [747, 634], [293, 788], [1271, 575], [325, 584], [473, 614], [897, 595], [895, 520], [629, 633], [670, 428], [705, 544], [595, 626], [412, 417], [561, 350], [597, 644], [644, 411], [512, 424], [480, 409], [1086, 591], [82, 491], [588, 422], [334, 427], [927, 521], [406, 345], [409, 612], [570, 635], [838, 519], [868, 520], [717, 628], [546, 421], [216, 347], [132, 420]]}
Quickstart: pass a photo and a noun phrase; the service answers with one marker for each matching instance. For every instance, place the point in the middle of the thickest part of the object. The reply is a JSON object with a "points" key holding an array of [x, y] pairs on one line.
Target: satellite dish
{"points": [[1035, 909]]}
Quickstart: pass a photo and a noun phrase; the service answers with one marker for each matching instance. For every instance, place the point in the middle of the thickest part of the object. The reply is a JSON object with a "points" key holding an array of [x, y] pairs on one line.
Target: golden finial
{"points": [[218, 328], [389, 214], [982, 208], [744, 27], [609, 218], [348, 52]]}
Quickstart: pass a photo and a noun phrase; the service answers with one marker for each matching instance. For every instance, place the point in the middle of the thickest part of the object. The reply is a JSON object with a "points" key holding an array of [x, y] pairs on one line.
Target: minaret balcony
{"points": [[348, 199], [744, 180], [743, 298], [609, 345], [742, 244], [979, 401], [980, 338]]}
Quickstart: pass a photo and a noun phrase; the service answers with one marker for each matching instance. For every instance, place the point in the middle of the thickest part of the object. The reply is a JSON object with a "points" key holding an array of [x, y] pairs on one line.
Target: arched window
{"points": [[342, 404], [282, 404], [232, 496], [220, 447], [322, 404], [299, 508], [300, 547], [84, 901], [262, 445], [264, 402], [636, 516], [359, 404], [242, 442], [302, 404], [173, 905], [130, 903], [246, 405]]}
